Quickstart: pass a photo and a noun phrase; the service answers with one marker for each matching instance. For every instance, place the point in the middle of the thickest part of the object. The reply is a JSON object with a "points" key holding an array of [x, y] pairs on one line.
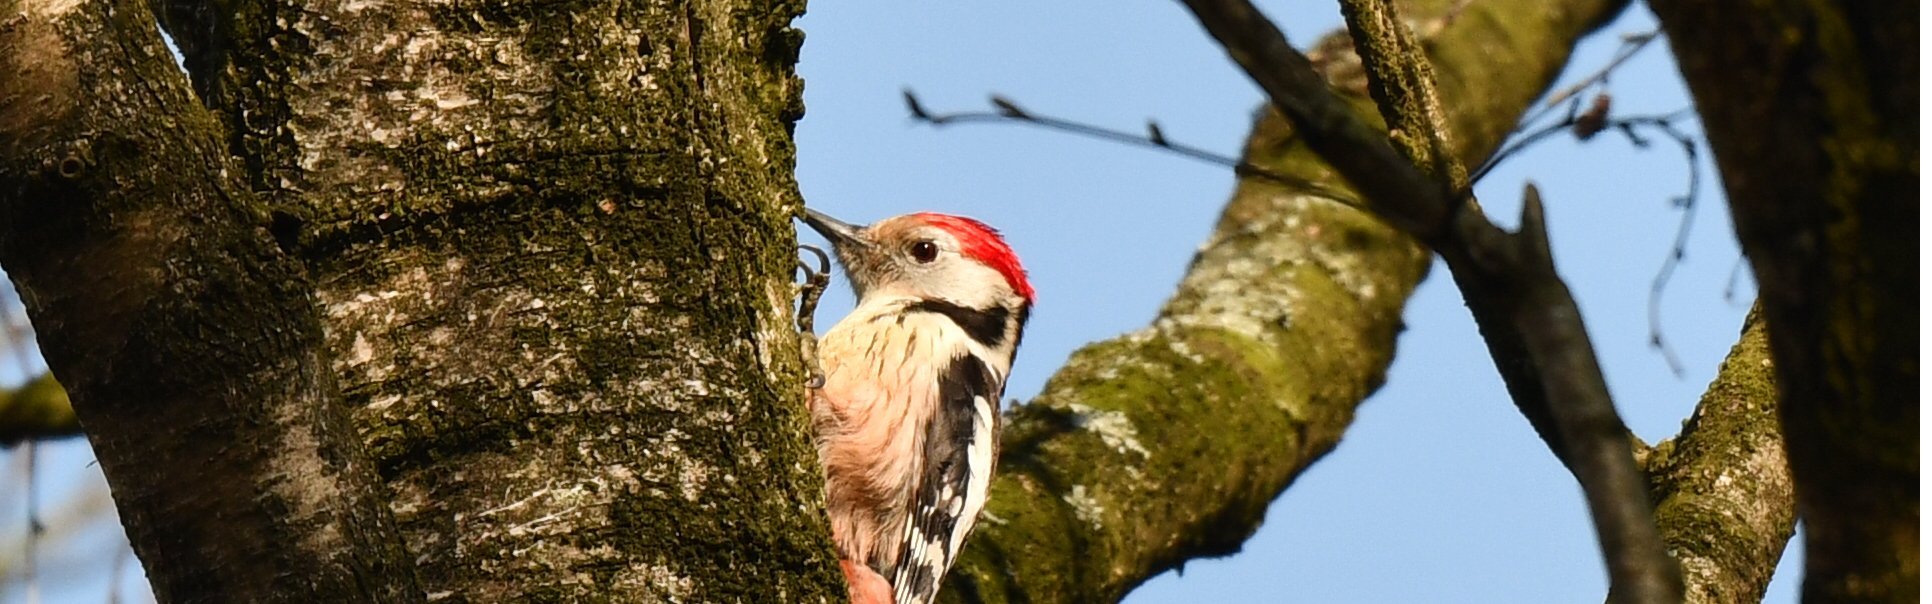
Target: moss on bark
{"points": [[1723, 491]]}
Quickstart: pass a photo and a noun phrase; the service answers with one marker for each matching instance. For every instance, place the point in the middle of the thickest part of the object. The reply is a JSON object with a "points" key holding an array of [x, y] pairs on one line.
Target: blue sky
{"points": [[1440, 492]]}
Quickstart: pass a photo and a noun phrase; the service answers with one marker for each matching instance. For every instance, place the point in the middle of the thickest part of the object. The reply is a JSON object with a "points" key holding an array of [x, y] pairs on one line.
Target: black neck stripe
{"points": [[986, 326]]}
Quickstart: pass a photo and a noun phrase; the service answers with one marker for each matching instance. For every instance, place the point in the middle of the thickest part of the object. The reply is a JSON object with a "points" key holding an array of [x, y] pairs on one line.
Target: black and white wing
{"points": [[960, 449]]}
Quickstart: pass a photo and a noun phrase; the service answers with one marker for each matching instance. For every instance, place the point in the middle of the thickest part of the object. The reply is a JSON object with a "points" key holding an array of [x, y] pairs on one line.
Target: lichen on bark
{"points": [[1723, 491]]}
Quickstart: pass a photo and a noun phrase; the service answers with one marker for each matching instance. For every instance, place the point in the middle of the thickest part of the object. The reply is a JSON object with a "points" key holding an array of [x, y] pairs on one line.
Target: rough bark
{"points": [[1724, 494], [189, 342], [1812, 109], [1168, 443], [554, 249], [544, 248]]}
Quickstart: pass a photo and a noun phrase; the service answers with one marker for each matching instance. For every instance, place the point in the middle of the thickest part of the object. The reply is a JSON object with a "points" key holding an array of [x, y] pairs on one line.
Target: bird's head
{"points": [[928, 256]]}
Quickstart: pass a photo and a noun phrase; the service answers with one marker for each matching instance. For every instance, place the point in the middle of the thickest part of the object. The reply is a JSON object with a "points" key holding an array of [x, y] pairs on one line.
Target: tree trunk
{"points": [[188, 340], [543, 249], [1813, 112]]}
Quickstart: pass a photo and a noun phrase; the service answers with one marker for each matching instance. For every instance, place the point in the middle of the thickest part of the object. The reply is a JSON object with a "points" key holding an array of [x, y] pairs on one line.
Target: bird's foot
{"points": [[814, 280]]}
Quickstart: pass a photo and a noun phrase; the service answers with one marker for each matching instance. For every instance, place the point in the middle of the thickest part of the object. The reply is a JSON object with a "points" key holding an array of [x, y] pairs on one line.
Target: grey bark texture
{"points": [[1723, 490], [543, 249], [188, 339]]}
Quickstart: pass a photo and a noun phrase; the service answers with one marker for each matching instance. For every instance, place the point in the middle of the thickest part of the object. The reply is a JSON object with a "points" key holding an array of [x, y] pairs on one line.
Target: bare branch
{"points": [[1576, 119], [1404, 197], [1524, 310], [1588, 123], [1680, 243], [1008, 112], [1585, 124], [1402, 83], [1632, 44]]}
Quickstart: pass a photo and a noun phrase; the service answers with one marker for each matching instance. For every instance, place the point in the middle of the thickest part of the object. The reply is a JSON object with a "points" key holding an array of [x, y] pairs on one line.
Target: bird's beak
{"points": [[841, 233]]}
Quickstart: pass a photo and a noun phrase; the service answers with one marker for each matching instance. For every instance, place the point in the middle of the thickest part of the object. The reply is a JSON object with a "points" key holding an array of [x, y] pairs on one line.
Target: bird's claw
{"points": [[824, 269], [815, 279]]}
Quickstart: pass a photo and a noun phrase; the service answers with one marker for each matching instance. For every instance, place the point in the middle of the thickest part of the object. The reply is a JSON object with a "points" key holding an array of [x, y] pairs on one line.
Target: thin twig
{"points": [[30, 574], [1404, 197], [1632, 43], [1586, 124], [1569, 124], [1006, 111], [1680, 244]]}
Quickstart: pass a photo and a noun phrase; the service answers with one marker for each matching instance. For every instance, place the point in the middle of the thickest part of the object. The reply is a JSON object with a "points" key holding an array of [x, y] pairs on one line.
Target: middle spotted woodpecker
{"points": [[907, 418]]}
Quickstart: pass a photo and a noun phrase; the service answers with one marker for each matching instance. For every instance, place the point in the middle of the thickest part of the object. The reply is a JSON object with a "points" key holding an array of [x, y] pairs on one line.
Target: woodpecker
{"points": [[907, 417]]}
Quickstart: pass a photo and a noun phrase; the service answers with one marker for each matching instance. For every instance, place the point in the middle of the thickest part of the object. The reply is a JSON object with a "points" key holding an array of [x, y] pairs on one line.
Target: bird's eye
{"points": [[924, 252]]}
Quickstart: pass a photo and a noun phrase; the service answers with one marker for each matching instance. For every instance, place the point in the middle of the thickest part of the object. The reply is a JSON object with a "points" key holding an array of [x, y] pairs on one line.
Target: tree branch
{"points": [[1168, 443], [1587, 123], [36, 409], [1402, 83], [1523, 309], [1007, 111], [1724, 494], [187, 340], [1406, 198]]}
